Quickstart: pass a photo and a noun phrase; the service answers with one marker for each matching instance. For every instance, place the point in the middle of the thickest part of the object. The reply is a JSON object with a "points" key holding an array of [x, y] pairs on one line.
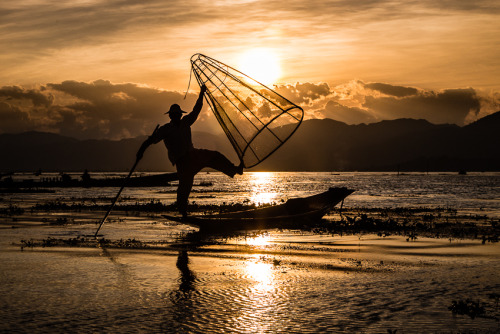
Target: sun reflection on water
{"points": [[263, 186], [261, 240], [262, 273], [261, 301]]}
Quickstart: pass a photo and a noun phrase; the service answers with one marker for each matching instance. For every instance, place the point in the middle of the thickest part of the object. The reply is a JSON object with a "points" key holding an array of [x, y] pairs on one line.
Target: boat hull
{"points": [[296, 212]]}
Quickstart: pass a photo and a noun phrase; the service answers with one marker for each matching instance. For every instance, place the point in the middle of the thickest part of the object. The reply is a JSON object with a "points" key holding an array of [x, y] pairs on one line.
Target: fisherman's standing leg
{"points": [[184, 189]]}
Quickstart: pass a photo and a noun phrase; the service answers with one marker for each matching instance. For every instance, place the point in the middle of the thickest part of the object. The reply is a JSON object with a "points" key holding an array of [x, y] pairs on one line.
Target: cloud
{"points": [[102, 109], [359, 102], [304, 93], [448, 106], [264, 110], [13, 119], [148, 41], [64, 25], [398, 91], [114, 110], [333, 41], [349, 115], [98, 109], [490, 103], [18, 93]]}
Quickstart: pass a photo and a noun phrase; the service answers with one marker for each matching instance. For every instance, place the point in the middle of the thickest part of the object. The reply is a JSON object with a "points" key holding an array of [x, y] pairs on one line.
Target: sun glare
{"points": [[263, 187], [259, 241], [261, 64], [260, 272]]}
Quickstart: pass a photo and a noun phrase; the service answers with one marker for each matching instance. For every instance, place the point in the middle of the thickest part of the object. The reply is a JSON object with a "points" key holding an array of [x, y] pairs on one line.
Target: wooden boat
{"points": [[296, 212]]}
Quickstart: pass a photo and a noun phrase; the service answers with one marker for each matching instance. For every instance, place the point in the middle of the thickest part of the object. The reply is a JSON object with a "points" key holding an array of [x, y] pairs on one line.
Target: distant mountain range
{"points": [[318, 145]]}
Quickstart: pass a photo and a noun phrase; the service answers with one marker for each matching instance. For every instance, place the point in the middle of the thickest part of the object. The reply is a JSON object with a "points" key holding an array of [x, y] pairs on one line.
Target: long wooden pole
{"points": [[116, 198], [119, 192]]}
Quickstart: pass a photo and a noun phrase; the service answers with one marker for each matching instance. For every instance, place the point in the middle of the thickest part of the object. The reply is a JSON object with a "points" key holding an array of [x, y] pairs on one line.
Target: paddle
{"points": [[120, 191]]}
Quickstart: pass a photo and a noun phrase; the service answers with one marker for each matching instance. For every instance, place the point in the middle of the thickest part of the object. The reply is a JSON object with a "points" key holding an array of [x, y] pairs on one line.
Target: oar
{"points": [[120, 191]]}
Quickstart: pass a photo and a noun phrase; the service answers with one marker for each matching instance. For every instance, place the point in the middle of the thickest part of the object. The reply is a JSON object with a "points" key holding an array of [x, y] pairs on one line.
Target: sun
{"points": [[261, 64]]}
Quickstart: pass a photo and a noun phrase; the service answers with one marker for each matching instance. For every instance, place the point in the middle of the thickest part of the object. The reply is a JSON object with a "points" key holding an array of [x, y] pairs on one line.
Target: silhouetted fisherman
{"points": [[176, 136]]}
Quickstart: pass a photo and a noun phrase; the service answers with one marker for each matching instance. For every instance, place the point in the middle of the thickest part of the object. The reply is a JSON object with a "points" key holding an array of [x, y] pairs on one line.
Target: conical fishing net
{"points": [[256, 119]]}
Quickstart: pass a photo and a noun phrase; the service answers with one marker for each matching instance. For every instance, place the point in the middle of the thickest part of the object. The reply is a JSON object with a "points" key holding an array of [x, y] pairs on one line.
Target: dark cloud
{"points": [[36, 97], [248, 104], [481, 6], [265, 110], [116, 110], [398, 91], [356, 102], [13, 119], [39, 26], [99, 109], [448, 106], [349, 115], [137, 40], [304, 93]]}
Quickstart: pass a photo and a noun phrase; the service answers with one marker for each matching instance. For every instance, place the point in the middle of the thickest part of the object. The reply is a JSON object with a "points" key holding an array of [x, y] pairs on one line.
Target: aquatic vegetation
{"points": [[123, 243], [12, 210], [410, 222], [56, 242], [82, 241], [60, 221], [477, 308], [468, 307], [152, 205], [496, 297]]}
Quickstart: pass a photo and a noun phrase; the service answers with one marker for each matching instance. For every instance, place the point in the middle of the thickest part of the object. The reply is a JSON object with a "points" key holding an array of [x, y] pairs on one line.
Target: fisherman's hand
{"points": [[203, 89]]}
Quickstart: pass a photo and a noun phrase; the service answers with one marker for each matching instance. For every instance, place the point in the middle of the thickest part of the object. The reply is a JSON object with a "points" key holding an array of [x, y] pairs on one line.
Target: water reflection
{"points": [[262, 273], [263, 187], [259, 241], [261, 308], [184, 310], [187, 278]]}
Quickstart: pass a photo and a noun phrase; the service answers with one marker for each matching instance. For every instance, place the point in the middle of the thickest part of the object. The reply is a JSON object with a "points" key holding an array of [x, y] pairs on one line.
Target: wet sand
{"points": [[168, 280]]}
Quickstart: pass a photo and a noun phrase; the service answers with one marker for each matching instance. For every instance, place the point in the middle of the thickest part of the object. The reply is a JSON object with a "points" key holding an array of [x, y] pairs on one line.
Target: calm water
{"points": [[281, 281], [475, 192]]}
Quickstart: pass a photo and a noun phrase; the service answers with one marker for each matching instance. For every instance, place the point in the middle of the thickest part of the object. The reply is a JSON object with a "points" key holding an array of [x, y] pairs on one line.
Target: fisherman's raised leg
{"points": [[218, 161]]}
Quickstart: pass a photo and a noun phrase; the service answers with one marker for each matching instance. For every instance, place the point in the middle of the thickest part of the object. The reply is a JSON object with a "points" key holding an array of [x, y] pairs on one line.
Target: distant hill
{"points": [[318, 145], [404, 144], [31, 151]]}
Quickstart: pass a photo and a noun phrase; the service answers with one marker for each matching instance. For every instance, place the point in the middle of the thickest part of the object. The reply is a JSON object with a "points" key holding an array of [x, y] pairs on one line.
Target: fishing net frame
{"points": [[217, 76]]}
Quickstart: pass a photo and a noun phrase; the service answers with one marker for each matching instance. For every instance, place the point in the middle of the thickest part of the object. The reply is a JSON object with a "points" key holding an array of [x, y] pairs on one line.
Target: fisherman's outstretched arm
{"points": [[153, 139], [193, 115]]}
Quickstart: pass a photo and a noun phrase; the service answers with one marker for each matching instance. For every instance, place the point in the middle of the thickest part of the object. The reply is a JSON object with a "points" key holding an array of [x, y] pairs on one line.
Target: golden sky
{"points": [[364, 51]]}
